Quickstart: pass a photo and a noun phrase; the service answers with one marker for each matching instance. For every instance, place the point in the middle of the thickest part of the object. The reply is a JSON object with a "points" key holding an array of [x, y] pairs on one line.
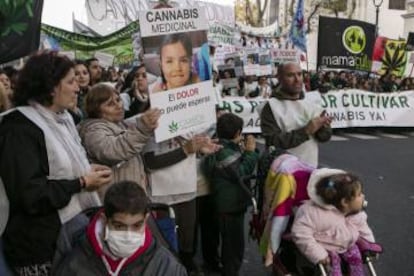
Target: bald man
{"points": [[292, 123]]}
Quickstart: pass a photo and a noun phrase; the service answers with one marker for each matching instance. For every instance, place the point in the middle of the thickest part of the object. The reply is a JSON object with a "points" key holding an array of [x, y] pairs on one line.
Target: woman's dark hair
{"points": [[228, 125], [83, 90], [10, 71], [130, 77], [125, 197], [337, 187], [41, 74], [97, 95], [81, 62], [182, 38]]}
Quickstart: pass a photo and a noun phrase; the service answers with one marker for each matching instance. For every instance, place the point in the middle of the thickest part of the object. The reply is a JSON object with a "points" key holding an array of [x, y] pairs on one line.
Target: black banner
{"points": [[345, 43], [19, 28], [410, 42]]}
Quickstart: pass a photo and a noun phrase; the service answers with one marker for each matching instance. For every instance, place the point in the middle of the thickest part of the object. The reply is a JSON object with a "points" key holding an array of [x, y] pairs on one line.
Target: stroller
{"points": [[284, 190]]}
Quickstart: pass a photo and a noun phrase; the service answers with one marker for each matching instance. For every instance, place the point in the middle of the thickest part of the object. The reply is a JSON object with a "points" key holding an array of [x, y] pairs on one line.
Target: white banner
{"points": [[246, 109], [169, 21], [348, 108], [268, 31], [285, 55], [105, 60], [176, 51], [358, 108], [184, 110], [221, 34]]}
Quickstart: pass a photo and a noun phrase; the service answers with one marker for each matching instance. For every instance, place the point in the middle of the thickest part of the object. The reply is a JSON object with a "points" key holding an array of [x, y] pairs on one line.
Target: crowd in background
{"points": [[322, 81], [334, 80], [247, 86]]}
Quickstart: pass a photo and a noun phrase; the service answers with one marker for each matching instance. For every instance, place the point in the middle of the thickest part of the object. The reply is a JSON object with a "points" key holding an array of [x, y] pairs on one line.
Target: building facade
{"points": [[390, 21]]}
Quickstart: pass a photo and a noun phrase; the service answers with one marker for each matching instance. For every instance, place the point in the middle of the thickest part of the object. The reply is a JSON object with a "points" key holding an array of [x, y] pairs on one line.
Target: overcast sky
{"points": [[58, 13]]}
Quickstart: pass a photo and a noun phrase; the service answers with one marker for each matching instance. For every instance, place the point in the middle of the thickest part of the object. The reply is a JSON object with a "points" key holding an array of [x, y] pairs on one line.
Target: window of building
{"points": [[397, 5]]}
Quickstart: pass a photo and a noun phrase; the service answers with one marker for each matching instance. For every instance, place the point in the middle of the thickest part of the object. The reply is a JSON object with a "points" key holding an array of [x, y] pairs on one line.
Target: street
{"points": [[385, 167], [383, 161]]}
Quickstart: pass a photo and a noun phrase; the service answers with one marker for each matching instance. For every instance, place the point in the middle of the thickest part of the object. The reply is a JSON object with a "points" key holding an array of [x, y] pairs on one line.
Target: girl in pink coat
{"points": [[327, 227]]}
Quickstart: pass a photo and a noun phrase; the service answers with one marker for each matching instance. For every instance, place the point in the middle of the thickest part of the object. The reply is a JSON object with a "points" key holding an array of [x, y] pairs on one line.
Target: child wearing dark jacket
{"points": [[225, 169]]}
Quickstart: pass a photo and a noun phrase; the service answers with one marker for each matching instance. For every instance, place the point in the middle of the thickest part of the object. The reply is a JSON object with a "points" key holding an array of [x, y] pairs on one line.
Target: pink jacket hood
{"points": [[315, 177]]}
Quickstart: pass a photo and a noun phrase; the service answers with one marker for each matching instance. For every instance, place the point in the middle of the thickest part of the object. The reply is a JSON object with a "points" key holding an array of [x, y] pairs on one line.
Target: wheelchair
{"points": [[284, 190], [289, 260]]}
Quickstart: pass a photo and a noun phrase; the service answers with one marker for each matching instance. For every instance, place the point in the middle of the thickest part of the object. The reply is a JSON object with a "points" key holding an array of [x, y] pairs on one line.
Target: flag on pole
{"points": [[80, 28], [297, 32], [410, 41], [389, 56]]}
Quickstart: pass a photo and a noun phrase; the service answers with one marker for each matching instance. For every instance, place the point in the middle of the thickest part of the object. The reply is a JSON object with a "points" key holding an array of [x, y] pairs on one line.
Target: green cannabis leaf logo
{"points": [[353, 39], [173, 127], [395, 58], [12, 13]]}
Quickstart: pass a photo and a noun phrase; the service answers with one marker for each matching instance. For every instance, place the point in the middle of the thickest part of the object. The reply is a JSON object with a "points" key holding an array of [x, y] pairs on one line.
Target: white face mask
{"points": [[123, 243]]}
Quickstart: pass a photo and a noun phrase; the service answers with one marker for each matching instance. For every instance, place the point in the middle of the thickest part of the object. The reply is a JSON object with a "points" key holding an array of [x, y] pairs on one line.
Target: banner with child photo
{"points": [[176, 51]]}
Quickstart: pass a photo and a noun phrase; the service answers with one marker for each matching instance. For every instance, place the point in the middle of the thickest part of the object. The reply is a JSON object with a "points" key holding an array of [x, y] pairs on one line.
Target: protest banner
{"points": [[265, 65], [251, 62], [358, 108], [19, 28], [227, 75], [118, 44], [175, 46], [219, 33], [105, 59], [271, 30], [390, 56], [410, 42], [234, 60], [345, 43], [246, 109], [280, 56], [221, 51], [348, 108]]}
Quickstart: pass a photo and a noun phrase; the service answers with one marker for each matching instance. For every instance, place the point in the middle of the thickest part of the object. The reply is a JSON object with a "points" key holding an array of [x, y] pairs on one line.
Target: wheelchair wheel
{"points": [[295, 262]]}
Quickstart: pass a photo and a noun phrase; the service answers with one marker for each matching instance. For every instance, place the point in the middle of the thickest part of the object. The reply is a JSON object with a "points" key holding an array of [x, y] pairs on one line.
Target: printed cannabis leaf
{"points": [[12, 16], [173, 127]]}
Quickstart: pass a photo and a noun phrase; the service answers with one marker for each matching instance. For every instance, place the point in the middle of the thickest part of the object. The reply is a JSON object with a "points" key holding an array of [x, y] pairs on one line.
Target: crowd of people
{"points": [[74, 136], [334, 80], [72, 168], [322, 81]]}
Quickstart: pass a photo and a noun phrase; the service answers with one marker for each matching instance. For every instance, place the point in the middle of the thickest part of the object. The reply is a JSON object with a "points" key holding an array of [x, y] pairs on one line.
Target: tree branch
{"points": [[315, 9]]}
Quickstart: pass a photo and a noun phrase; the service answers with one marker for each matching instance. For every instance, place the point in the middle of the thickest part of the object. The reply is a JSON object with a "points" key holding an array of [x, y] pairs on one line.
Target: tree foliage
{"points": [[314, 8], [251, 12]]}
